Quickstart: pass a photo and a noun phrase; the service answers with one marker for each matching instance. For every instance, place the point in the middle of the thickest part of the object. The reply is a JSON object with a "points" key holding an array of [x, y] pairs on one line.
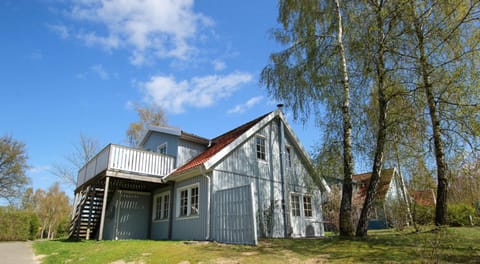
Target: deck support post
{"points": [[104, 208]]}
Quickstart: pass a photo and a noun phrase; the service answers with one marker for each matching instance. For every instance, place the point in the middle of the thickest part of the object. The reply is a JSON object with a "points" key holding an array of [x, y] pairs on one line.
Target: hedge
{"points": [[17, 225]]}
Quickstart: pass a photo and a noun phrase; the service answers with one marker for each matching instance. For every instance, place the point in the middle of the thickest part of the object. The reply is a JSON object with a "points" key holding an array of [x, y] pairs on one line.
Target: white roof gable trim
{"points": [[251, 132], [167, 130]]}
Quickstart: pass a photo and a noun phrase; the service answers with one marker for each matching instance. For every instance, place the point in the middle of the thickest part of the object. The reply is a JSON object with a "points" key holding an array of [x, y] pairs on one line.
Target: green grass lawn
{"points": [[452, 245]]}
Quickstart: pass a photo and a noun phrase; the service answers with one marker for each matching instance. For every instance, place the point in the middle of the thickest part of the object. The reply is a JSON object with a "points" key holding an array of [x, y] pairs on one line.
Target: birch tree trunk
{"points": [[362, 226], [345, 217], [442, 181]]}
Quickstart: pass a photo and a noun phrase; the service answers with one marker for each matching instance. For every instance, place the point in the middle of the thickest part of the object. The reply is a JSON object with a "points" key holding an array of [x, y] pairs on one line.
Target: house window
{"points": [[184, 203], [166, 206], [194, 201], [295, 205], [260, 144], [161, 206], [158, 208], [162, 149], [188, 201], [307, 206], [288, 157]]}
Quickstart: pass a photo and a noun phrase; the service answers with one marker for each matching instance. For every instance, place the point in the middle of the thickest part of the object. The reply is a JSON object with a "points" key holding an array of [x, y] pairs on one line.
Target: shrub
{"points": [[17, 225], [459, 214], [423, 215]]}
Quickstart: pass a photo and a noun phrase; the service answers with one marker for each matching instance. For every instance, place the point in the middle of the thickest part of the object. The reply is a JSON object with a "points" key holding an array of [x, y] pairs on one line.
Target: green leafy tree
{"points": [[13, 166], [53, 209], [378, 20], [445, 43]]}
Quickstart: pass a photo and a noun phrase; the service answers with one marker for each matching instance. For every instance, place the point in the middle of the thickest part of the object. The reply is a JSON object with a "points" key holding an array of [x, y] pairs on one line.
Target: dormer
{"points": [[173, 142]]}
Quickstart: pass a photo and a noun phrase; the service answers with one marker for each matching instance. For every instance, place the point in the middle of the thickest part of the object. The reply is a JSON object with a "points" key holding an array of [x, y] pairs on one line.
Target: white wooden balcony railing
{"points": [[127, 160]]}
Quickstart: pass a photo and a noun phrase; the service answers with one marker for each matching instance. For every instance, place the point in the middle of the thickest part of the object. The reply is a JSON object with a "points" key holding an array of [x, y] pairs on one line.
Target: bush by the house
{"points": [[17, 225], [423, 215]]}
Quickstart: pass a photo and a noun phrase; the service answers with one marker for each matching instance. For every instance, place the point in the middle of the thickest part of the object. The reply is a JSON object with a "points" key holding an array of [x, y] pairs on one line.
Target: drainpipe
{"points": [[171, 206], [202, 171], [281, 141]]}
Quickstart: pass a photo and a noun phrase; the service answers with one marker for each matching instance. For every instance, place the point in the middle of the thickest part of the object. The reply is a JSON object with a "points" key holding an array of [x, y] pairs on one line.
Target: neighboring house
{"points": [[253, 181], [390, 192]]}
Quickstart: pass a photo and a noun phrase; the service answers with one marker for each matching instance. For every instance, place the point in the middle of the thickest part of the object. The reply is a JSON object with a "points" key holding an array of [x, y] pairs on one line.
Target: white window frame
{"points": [[160, 213], [258, 150], [300, 211], [295, 208], [308, 208], [190, 211], [162, 146]]}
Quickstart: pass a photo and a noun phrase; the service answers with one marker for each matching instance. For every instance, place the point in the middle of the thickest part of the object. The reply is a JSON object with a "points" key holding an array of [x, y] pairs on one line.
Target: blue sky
{"points": [[71, 67]]}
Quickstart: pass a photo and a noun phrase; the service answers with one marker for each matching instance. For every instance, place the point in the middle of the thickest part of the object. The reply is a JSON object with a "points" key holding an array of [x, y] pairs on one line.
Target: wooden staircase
{"points": [[86, 217]]}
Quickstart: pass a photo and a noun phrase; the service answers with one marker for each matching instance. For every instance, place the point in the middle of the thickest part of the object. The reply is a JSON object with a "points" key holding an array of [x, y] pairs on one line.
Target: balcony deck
{"points": [[126, 162]]}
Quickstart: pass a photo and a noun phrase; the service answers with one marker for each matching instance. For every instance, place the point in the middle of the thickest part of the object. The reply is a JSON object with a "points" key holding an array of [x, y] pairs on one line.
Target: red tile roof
{"points": [[382, 186], [217, 144], [424, 197]]}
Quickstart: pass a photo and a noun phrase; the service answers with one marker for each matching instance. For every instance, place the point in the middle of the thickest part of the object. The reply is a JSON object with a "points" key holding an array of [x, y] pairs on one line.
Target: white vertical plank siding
{"points": [[125, 159]]}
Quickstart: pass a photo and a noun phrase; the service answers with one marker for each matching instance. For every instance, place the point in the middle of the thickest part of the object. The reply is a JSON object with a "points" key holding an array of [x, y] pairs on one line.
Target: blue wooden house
{"points": [[253, 181]]}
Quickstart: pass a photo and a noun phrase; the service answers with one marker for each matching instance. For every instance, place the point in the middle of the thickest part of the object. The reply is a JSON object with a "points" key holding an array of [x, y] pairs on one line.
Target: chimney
{"points": [[280, 107]]}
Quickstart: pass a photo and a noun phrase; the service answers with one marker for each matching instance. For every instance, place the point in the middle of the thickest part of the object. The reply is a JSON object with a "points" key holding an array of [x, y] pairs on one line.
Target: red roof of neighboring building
{"points": [[424, 197], [382, 186], [217, 144]]}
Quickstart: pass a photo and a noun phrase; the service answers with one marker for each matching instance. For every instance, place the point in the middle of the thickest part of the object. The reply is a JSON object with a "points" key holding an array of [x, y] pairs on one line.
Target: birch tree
{"points": [[148, 116], [445, 40], [379, 20], [305, 74]]}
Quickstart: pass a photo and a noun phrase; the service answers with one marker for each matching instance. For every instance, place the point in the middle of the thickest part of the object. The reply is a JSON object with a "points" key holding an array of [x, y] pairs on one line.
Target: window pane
{"points": [[162, 149], [260, 144], [184, 203], [158, 207], [295, 202], [166, 205], [194, 201], [307, 206], [288, 157]]}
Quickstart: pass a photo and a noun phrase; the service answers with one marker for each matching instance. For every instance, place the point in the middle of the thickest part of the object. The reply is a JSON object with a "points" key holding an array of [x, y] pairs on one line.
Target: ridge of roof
{"points": [[217, 144]]}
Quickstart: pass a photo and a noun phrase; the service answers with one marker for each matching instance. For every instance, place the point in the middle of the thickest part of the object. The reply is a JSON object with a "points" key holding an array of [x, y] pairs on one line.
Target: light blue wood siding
{"points": [[191, 228], [241, 167], [157, 138], [127, 216], [234, 217], [187, 150]]}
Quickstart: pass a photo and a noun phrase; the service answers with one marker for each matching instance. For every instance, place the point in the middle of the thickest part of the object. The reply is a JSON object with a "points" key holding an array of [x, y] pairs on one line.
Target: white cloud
{"points": [[219, 65], [245, 106], [197, 92], [39, 169], [162, 28], [61, 30], [100, 71]]}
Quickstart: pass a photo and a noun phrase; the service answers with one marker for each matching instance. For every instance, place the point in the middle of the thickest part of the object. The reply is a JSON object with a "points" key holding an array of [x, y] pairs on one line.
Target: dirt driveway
{"points": [[17, 253]]}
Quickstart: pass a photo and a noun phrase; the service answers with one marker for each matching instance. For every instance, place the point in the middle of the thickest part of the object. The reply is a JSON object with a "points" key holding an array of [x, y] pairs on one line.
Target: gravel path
{"points": [[17, 253]]}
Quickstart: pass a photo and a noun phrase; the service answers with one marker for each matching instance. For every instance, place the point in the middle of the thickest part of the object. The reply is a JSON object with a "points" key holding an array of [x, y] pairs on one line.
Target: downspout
{"points": [[281, 141], [171, 206], [202, 171]]}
